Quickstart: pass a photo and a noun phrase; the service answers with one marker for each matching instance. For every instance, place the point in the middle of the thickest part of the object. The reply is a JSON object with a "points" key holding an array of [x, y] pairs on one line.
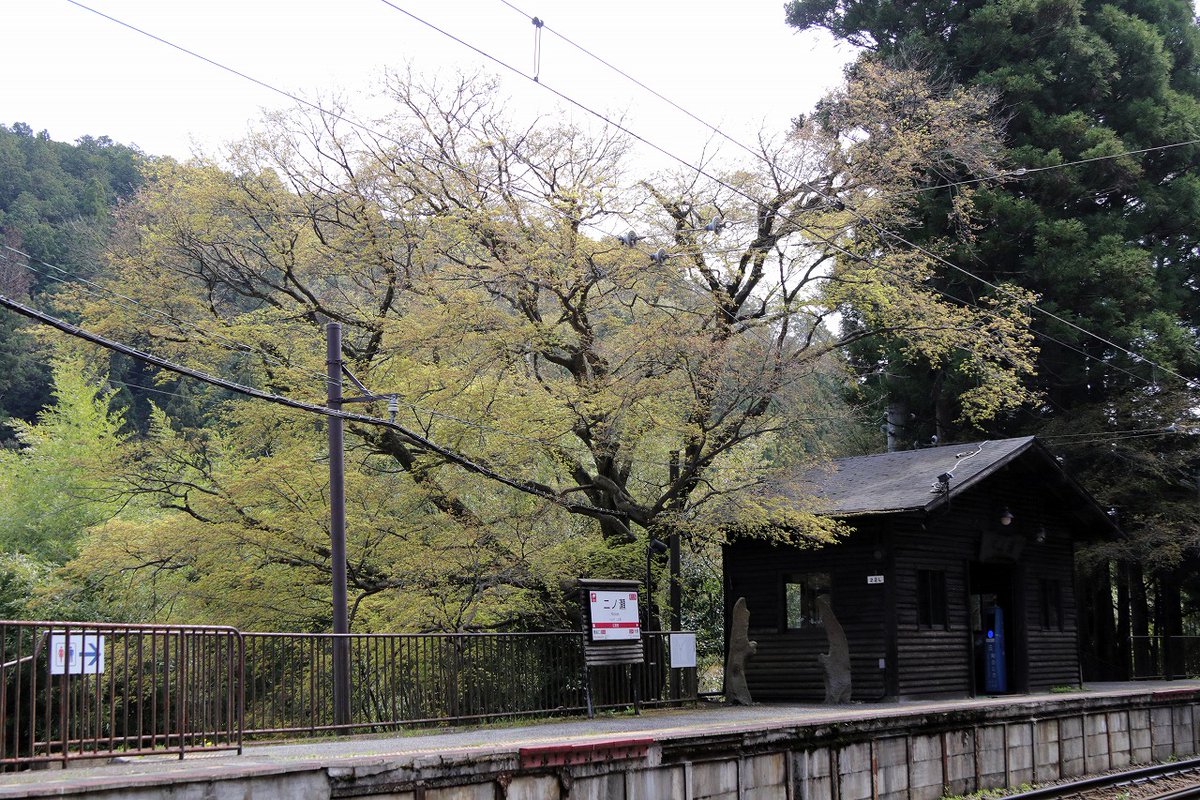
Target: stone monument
{"points": [[837, 661], [740, 649]]}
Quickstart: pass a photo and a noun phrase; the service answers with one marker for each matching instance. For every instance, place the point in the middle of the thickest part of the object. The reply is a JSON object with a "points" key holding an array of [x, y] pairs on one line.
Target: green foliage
{"points": [[55, 200], [1108, 245], [683, 394], [54, 483], [20, 576]]}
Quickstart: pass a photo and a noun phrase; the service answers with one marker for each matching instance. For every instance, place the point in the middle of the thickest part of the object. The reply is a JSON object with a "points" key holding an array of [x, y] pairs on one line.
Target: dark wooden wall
{"points": [[933, 662], [785, 666]]}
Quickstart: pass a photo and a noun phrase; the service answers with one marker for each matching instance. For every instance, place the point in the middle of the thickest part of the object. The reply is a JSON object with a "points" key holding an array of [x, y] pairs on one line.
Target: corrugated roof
{"points": [[906, 481]]}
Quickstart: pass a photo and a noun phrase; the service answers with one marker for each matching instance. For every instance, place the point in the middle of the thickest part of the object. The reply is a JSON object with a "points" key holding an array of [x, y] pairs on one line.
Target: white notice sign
{"points": [[614, 616], [76, 654], [683, 650]]}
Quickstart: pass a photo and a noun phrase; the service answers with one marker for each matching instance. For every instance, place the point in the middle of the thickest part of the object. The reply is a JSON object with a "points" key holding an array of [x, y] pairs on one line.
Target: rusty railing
{"points": [[412, 679], [76, 690]]}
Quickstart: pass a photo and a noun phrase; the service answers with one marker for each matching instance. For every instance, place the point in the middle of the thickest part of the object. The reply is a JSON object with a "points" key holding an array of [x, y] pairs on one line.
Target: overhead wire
{"points": [[368, 129], [354, 123], [1015, 172], [138, 307], [1020, 172], [566, 98], [657, 148], [1105, 439], [376, 133], [415, 438], [876, 226]]}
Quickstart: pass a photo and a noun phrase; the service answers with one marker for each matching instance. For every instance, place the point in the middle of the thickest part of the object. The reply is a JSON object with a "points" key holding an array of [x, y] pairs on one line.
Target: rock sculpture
{"points": [[837, 661], [740, 649]]}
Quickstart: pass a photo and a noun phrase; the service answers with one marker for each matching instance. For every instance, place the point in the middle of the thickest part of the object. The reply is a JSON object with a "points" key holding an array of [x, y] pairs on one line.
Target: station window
{"points": [[800, 593], [1052, 615], [931, 598]]}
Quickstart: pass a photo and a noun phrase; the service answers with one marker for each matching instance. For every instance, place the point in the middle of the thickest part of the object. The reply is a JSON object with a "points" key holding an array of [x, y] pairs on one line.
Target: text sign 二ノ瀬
{"points": [[614, 615]]}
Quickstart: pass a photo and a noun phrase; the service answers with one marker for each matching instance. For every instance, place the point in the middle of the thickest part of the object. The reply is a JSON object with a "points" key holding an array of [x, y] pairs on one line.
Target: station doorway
{"points": [[993, 628]]}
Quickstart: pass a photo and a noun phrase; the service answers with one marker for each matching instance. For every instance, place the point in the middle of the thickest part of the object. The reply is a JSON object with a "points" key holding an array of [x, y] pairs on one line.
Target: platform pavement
{"points": [[703, 719]]}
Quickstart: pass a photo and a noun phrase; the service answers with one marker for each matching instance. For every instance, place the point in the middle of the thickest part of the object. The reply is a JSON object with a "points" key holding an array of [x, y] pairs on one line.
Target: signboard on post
{"points": [[76, 654], [683, 650], [614, 615], [612, 629]]}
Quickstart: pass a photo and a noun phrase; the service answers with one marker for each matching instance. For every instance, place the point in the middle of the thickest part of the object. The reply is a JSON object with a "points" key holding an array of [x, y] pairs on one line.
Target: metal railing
{"points": [[413, 679], [1164, 657], [75, 690]]}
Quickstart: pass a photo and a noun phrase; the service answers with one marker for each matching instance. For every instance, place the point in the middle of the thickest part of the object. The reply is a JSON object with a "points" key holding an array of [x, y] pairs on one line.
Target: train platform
{"points": [[709, 750]]}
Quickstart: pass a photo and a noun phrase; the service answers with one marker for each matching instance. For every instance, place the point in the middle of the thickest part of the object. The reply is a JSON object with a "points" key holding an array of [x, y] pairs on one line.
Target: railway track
{"points": [[1178, 780]]}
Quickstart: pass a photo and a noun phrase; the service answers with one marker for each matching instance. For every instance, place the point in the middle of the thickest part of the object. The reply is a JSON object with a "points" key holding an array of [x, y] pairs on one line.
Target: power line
{"points": [[732, 317], [1017, 172], [136, 306], [874, 225], [1020, 172], [144, 309], [414, 438], [1105, 439], [800, 226], [879, 228]]}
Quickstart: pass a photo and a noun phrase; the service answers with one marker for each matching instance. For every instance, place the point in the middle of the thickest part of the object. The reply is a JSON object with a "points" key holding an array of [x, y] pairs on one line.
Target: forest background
{"points": [[991, 225]]}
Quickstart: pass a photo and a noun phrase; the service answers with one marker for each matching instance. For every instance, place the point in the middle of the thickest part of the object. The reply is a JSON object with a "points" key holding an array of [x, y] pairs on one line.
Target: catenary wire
{"points": [[1018, 172], [657, 148], [689, 286], [68, 277], [417, 439], [370, 130], [883, 231], [628, 132]]}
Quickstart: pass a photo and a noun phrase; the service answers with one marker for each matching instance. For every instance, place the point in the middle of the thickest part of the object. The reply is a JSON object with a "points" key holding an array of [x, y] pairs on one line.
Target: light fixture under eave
{"points": [[1006, 516]]}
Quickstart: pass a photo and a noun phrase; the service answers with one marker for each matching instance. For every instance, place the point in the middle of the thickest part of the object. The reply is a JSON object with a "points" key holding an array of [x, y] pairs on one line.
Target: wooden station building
{"points": [[956, 581]]}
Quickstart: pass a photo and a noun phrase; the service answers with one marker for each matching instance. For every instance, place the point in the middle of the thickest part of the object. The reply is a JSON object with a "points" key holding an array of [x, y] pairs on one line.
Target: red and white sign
{"points": [[614, 616]]}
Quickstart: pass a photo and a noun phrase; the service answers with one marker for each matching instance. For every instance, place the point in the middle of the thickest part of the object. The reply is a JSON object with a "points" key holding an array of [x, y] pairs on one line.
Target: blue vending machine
{"points": [[995, 674]]}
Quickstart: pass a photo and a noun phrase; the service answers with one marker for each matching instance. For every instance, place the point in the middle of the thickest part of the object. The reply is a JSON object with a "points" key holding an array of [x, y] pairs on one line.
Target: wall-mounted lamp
{"points": [[1006, 516], [1040, 536]]}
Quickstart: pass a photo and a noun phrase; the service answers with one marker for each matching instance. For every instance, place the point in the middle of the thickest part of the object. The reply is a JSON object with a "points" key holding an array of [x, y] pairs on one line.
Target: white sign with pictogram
{"points": [[614, 616], [76, 654]]}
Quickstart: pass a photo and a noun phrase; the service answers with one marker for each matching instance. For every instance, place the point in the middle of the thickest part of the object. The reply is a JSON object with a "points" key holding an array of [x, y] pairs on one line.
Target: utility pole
{"points": [[337, 527], [676, 599]]}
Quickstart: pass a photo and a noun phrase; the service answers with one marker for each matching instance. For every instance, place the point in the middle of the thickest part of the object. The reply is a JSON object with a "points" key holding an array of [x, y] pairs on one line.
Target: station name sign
{"points": [[614, 615]]}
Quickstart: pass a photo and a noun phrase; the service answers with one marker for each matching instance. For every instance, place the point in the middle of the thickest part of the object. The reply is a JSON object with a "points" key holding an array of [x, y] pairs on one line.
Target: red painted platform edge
{"points": [[553, 755]]}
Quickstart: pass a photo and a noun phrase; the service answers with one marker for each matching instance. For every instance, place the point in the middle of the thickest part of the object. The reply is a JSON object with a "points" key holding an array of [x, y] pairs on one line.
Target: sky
{"points": [[72, 72]]}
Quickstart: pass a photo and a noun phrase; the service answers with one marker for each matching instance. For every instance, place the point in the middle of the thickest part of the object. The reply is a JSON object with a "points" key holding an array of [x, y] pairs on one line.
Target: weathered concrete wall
{"points": [[897, 756]]}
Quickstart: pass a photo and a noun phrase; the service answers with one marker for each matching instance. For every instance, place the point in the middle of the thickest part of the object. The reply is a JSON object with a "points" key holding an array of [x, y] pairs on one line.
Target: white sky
{"points": [[71, 72]]}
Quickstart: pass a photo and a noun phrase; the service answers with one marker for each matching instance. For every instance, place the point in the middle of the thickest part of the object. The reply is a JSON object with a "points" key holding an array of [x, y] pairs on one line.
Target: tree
{"points": [[1097, 216], [53, 485], [655, 384], [54, 211], [1106, 244]]}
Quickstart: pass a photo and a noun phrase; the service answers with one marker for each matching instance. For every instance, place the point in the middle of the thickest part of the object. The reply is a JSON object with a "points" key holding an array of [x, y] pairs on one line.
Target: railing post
{"points": [[240, 676], [181, 693]]}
